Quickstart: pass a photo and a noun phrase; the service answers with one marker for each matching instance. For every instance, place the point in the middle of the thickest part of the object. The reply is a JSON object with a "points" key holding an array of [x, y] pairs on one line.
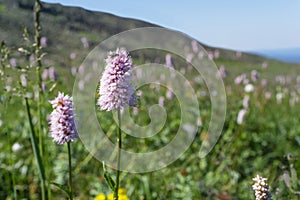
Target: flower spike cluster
{"points": [[261, 188], [62, 120], [116, 90]]}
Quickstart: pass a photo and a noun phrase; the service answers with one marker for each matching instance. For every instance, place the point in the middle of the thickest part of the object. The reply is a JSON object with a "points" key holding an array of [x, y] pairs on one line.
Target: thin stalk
{"points": [[12, 171], [37, 43], [119, 140], [7, 179], [14, 185], [70, 172], [36, 151], [37, 53], [47, 173]]}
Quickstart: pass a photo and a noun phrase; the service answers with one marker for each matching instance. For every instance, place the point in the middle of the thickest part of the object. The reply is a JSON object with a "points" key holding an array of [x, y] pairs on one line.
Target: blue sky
{"points": [[234, 24]]}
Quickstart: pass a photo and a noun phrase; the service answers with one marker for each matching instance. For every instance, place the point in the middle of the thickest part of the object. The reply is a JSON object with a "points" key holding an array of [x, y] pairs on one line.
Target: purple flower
{"points": [[241, 115], [222, 73], [195, 46], [246, 101], [116, 90], [44, 41], [161, 101], [254, 75], [62, 120], [23, 80]]}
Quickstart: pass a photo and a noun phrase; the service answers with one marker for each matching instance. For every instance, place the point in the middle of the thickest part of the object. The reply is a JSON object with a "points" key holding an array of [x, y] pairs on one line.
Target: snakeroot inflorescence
{"points": [[116, 90], [62, 121]]}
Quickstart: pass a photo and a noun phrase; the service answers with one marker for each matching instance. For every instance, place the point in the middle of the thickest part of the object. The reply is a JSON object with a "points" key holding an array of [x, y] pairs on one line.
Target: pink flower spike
{"points": [[62, 119], [116, 90]]}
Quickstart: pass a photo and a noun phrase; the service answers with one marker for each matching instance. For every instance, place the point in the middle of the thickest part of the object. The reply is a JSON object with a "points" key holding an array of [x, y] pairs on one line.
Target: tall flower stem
{"points": [[119, 140], [38, 64], [37, 45], [13, 179], [70, 172], [36, 151]]}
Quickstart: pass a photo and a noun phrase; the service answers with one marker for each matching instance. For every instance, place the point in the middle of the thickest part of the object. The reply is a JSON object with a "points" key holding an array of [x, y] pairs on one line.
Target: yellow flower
{"points": [[100, 197], [110, 196], [122, 191], [122, 195]]}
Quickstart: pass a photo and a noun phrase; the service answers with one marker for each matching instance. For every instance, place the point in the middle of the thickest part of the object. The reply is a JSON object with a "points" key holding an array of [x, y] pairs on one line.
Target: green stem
{"points": [[37, 42], [116, 195], [12, 171], [37, 52], [14, 185], [37, 35], [36, 151], [70, 172], [48, 175]]}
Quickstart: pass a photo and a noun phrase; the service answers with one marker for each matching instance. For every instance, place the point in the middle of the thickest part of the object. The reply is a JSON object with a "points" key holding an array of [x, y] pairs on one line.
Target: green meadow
{"points": [[264, 141]]}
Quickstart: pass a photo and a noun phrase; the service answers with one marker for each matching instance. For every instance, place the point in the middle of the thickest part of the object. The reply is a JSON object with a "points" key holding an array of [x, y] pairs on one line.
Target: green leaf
{"points": [[52, 87], [297, 138], [62, 188], [109, 180], [294, 178], [287, 180]]}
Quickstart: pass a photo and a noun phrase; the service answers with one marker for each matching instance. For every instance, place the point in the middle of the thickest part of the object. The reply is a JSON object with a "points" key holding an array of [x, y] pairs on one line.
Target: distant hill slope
{"points": [[65, 27], [72, 32], [57, 19]]}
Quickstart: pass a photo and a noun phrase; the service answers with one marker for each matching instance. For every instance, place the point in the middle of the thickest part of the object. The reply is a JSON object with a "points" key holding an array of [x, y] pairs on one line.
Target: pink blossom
{"points": [[169, 94], [43, 86], [222, 73], [52, 74], [135, 111], [246, 81], [74, 71], [189, 57], [264, 83], [264, 65], [241, 115], [116, 90], [44, 41], [195, 46], [239, 79], [45, 74], [62, 120], [169, 62], [23, 78], [216, 53], [246, 101], [32, 60], [13, 62], [161, 101], [85, 42], [201, 55], [238, 54], [254, 75], [210, 55]]}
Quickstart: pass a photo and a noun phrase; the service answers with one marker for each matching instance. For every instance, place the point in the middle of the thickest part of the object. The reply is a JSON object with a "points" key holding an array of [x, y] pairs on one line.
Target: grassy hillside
{"points": [[65, 27]]}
